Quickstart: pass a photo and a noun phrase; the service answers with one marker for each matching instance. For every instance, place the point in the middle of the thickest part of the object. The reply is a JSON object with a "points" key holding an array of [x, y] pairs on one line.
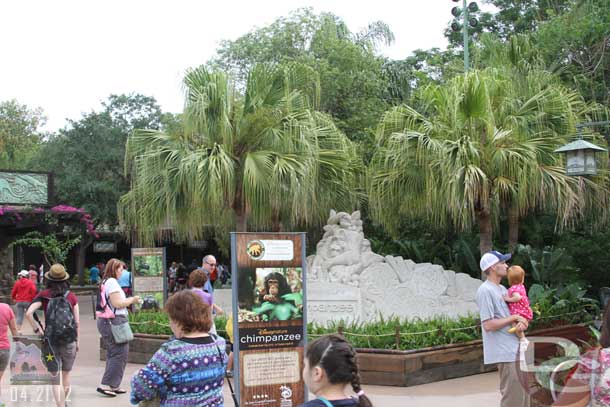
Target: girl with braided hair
{"points": [[330, 365]]}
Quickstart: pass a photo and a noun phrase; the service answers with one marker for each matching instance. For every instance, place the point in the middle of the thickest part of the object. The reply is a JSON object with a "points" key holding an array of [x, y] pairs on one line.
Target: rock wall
{"points": [[347, 280]]}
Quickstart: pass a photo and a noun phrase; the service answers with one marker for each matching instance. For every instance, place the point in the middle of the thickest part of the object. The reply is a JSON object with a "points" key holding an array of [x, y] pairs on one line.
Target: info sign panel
{"points": [[148, 276], [269, 318]]}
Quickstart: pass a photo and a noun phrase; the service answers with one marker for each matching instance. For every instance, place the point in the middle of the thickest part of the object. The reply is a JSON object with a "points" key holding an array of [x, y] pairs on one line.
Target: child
{"points": [[330, 366], [517, 300]]}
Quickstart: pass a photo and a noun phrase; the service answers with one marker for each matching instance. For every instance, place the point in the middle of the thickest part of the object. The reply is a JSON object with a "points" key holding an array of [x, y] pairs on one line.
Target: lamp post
{"points": [[466, 21], [580, 154]]}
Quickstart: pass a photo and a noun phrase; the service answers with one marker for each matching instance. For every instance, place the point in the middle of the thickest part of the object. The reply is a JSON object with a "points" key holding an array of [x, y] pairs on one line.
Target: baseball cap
{"points": [[24, 273], [491, 258]]}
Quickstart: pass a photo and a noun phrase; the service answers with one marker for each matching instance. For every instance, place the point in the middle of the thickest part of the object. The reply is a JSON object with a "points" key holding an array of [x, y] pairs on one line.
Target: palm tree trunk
{"points": [[242, 221], [276, 222], [513, 226], [485, 233]]}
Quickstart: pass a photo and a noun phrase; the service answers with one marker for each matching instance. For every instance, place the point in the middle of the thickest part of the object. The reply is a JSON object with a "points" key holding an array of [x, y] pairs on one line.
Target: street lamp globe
{"points": [[580, 157]]}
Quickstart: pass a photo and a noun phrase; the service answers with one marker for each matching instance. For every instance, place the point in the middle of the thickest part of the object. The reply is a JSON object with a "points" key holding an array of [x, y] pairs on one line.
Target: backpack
{"points": [[214, 274], [103, 309], [59, 318]]}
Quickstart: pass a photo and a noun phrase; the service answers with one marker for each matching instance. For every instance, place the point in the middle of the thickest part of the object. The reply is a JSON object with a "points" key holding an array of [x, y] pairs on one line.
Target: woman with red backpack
{"points": [[61, 331]]}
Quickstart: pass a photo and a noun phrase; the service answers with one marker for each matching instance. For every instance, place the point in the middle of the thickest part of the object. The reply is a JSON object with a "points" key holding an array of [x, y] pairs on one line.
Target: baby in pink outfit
{"points": [[517, 300]]}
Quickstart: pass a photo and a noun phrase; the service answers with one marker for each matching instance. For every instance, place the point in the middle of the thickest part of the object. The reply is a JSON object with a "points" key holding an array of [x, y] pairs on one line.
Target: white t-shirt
{"points": [[112, 286]]}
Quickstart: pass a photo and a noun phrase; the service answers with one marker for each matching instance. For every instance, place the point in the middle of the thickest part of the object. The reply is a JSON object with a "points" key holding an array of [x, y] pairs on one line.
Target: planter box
{"points": [[419, 366], [402, 368]]}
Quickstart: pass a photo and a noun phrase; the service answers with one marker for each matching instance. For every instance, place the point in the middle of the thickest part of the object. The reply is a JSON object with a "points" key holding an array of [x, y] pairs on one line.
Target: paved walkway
{"points": [[472, 391]]}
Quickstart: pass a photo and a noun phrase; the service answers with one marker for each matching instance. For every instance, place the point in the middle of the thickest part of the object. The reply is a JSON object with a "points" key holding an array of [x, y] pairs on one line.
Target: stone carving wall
{"points": [[347, 280]]}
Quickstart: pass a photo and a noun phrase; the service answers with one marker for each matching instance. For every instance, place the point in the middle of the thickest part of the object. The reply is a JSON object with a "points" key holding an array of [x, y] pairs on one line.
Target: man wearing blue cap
{"points": [[499, 346]]}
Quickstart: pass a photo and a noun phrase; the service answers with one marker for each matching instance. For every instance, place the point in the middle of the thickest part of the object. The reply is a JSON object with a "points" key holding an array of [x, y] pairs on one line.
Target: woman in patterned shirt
{"points": [[188, 370], [590, 383]]}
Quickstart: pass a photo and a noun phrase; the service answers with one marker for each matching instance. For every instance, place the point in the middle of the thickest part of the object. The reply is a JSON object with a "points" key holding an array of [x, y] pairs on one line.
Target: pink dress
{"points": [[521, 307]]}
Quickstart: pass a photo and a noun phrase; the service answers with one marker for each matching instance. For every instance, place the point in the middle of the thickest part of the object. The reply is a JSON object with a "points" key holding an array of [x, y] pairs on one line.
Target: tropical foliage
{"points": [[552, 307], [466, 151], [264, 158], [53, 249]]}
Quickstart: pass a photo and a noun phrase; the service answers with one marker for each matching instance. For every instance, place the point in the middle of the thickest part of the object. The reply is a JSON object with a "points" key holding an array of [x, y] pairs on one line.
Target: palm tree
{"points": [[262, 157], [473, 146]]}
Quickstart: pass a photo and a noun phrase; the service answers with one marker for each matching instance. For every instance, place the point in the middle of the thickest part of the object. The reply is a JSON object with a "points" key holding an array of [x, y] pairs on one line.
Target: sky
{"points": [[68, 56]]}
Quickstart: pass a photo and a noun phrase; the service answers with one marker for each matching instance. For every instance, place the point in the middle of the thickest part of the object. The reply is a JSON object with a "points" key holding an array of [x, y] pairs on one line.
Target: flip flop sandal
{"points": [[119, 391], [106, 392]]}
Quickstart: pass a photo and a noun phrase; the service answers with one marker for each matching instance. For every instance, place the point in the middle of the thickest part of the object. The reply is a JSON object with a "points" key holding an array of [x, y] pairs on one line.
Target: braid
{"points": [[363, 400]]}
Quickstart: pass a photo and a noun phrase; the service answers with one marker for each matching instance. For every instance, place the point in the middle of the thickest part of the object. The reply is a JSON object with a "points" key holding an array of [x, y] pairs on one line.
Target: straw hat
{"points": [[57, 272]]}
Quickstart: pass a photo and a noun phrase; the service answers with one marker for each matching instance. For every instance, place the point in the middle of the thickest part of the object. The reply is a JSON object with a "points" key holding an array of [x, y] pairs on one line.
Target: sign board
{"points": [[104, 247], [25, 188], [148, 275], [269, 318], [26, 362]]}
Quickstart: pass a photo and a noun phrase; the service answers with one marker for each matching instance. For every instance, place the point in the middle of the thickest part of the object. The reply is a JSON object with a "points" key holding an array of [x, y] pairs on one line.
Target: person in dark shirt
{"points": [[330, 366], [182, 276]]}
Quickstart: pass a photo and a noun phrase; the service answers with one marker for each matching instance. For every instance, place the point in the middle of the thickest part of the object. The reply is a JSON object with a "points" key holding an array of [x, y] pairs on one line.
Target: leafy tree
{"points": [[352, 82], [20, 134], [261, 158], [477, 146], [510, 17], [577, 41], [87, 157], [53, 250]]}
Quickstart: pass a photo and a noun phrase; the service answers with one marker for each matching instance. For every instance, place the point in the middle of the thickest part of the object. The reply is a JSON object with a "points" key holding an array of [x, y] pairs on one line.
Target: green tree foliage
{"points": [[261, 158], [353, 85], [478, 144], [20, 134], [578, 41], [88, 156], [509, 17], [53, 249]]}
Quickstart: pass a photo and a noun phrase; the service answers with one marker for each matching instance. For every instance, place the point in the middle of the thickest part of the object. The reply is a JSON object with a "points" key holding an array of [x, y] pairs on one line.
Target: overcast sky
{"points": [[67, 56]]}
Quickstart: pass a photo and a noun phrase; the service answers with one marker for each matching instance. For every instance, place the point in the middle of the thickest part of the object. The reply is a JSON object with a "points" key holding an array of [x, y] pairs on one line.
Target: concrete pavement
{"points": [[472, 391]]}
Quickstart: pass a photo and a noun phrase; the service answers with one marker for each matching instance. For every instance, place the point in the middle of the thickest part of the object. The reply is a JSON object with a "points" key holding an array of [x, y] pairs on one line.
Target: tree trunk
{"points": [[80, 257], [513, 227], [242, 221], [276, 222], [485, 233]]}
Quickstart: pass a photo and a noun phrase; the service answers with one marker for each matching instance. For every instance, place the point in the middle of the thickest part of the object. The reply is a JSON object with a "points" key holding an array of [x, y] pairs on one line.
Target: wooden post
{"points": [[397, 331]]}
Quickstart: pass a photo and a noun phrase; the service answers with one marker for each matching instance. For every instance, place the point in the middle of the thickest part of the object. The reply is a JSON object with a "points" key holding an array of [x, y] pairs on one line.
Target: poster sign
{"points": [[148, 276], [26, 362], [269, 318]]}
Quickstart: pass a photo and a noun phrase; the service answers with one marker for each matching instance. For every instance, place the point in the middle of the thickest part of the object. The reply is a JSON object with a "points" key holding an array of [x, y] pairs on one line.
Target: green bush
{"points": [[157, 323], [552, 307]]}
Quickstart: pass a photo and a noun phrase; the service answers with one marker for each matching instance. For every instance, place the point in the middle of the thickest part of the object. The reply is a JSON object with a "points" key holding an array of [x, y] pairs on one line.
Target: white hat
{"points": [[491, 258], [24, 273]]}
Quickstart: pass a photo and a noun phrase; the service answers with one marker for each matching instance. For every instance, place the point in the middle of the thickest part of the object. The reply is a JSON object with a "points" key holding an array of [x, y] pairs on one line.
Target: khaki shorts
{"points": [[65, 354], [512, 390]]}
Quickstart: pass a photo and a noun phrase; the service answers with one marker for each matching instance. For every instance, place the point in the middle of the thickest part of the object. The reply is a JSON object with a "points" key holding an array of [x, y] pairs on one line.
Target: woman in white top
{"points": [[116, 353]]}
